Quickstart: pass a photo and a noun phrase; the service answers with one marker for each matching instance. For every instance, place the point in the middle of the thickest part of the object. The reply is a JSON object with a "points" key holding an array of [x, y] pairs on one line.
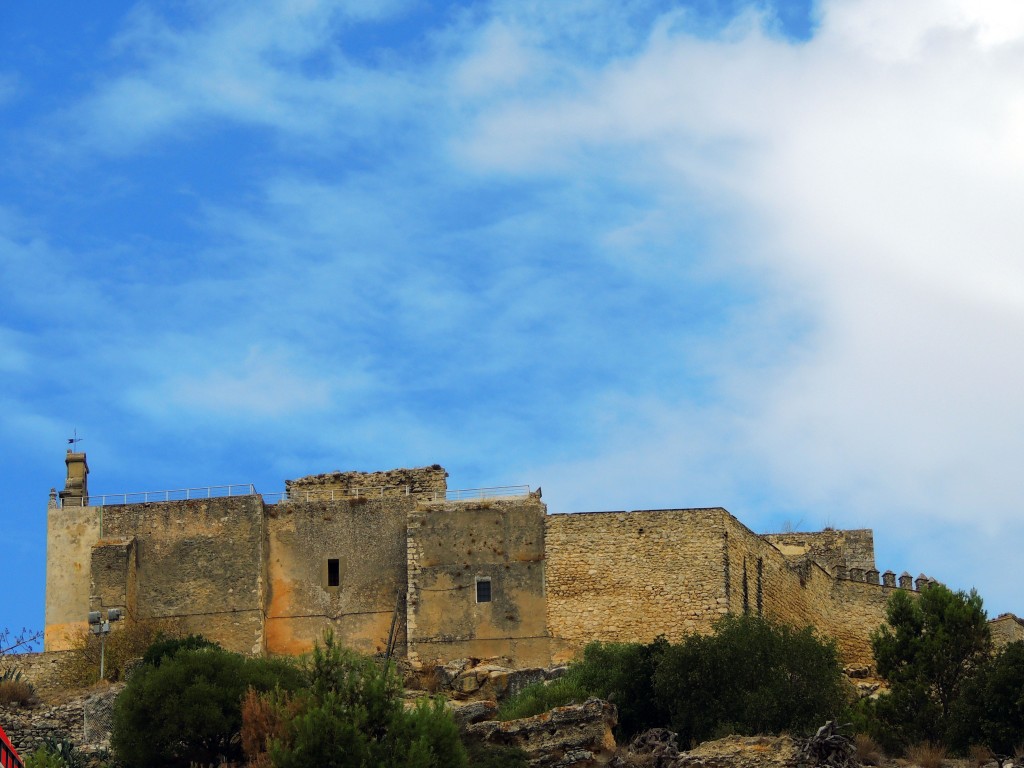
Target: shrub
{"points": [[620, 672], [990, 710], [926, 755], [866, 750], [539, 697], [126, 643], [624, 673], [352, 715], [979, 755], [56, 754], [483, 755], [753, 676], [188, 709], [165, 646], [15, 691]]}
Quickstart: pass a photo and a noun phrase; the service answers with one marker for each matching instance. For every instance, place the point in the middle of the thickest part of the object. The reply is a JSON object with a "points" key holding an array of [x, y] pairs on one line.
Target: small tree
{"points": [[751, 676], [352, 716], [188, 709], [990, 710], [927, 650]]}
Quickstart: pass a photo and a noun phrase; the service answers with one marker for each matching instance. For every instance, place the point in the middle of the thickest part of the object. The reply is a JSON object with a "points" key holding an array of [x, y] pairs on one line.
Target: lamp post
{"points": [[100, 626]]}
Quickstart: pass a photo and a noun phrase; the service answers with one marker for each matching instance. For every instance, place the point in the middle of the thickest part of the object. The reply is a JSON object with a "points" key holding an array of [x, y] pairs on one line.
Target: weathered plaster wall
{"points": [[70, 534], [630, 576], [200, 563], [453, 544], [368, 540], [830, 548], [113, 571], [428, 482]]}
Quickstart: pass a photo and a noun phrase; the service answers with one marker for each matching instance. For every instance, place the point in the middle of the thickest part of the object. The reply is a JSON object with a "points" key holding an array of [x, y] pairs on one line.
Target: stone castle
{"points": [[396, 557]]}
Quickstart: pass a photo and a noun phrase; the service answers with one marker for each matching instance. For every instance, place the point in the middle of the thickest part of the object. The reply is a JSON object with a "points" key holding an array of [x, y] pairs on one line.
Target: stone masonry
{"points": [[386, 560]]}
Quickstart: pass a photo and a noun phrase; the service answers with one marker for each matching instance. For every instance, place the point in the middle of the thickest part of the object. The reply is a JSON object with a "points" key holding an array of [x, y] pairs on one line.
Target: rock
{"points": [[579, 735], [742, 752], [472, 711]]}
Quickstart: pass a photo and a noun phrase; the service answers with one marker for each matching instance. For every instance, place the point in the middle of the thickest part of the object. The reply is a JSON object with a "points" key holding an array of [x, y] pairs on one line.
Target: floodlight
{"points": [[94, 617], [114, 614]]}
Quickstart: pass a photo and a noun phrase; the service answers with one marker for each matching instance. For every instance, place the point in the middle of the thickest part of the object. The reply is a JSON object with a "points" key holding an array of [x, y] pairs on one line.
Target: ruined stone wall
{"points": [[368, 539], [83, 720], [1006, 628], [451, 546], [200, 565], [630, 576], [831, 549], [70, 535], [430, 482]]}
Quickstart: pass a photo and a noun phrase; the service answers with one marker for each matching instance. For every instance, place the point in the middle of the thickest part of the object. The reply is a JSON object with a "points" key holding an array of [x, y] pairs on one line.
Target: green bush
{"points": [[56, 754], [165, 647], [623, 673], [188, 709], [620, 672], [539, 697], [483, 755], [351, 716], [751, 676]]}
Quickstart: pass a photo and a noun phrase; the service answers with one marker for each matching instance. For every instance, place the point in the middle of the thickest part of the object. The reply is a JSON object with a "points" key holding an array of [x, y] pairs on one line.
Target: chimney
{"points": [[76, 486]]}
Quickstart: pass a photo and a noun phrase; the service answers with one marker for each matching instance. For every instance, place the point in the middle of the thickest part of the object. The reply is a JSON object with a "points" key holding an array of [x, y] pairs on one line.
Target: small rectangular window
{"points": [[483, 590], [333, 572]]}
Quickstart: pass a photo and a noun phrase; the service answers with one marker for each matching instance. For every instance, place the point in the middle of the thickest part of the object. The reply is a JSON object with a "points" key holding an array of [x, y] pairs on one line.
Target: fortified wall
{"points": [[395, 561]]}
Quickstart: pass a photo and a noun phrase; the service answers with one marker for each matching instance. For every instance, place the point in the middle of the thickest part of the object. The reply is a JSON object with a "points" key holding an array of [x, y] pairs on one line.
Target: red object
{"points": [[9, 757]]}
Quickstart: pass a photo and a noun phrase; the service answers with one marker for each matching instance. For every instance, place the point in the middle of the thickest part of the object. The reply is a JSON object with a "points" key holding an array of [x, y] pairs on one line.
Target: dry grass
{"points": [[866, 750], [15, 692], [265, 718], [926, 755], [978, 754], [126, 643]]}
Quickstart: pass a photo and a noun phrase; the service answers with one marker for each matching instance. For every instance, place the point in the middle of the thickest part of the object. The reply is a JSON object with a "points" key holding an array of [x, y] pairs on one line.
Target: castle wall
{"points": [[429, 482], [114, 573], [803, 594], [831, 549], [631, 576], [200, 565], [368, 539], [70, 534], [452, 546]]}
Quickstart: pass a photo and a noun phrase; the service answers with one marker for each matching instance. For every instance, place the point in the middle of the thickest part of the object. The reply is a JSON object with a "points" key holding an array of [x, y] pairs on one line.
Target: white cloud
{"points": [[876, 170]]}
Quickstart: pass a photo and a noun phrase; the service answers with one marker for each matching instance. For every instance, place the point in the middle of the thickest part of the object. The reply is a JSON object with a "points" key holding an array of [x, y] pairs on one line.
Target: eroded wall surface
{"points": [[631, 576], [428, 482], [451, 546], [199, 565], [368, 540], [70, 535], [831, 549]]}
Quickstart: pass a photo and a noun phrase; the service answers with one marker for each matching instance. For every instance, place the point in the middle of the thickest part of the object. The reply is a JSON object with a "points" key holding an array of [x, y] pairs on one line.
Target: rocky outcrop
{"points": [[577, 736], [490, 680]]}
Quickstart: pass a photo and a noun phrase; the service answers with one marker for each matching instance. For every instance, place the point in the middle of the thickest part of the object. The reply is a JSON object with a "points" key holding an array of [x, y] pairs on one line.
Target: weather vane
{"points": [[73, 441]]}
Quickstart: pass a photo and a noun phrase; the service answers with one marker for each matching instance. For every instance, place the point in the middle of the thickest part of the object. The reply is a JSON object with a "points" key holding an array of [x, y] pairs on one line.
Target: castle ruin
{"points": [[441, 574]]}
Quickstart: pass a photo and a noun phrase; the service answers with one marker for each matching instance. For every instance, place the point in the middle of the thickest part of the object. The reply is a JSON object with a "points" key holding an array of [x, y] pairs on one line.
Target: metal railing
{"points": [[177, 494], [497, 492]]}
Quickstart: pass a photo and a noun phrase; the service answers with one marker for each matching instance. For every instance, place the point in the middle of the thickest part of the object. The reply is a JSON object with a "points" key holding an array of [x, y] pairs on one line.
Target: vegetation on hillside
{"points": [[749, 676]]}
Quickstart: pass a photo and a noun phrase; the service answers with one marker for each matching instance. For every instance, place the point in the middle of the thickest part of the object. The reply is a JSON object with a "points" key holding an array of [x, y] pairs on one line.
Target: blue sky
{"points": [[642, 254]]}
